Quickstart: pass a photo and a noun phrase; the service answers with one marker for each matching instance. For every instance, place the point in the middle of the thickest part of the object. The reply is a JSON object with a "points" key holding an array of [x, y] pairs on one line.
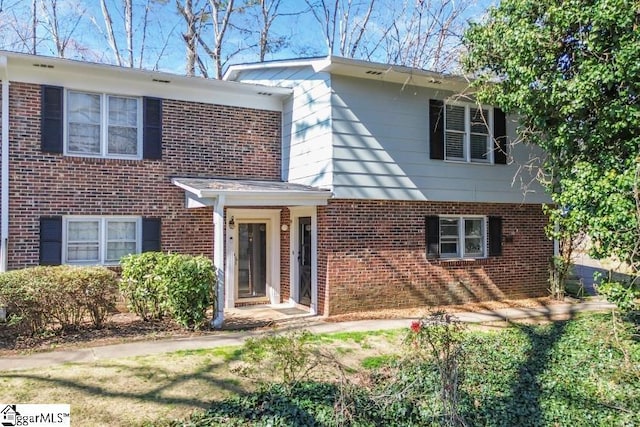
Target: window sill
{"points": [[460, 261], [464, 162], [100, 160]]}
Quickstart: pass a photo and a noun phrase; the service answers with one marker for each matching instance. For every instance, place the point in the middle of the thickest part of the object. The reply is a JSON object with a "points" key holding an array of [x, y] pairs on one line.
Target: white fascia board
{"points": [[199, 197], [358, 68], [262, 198], [234, 70], [135, 82]]}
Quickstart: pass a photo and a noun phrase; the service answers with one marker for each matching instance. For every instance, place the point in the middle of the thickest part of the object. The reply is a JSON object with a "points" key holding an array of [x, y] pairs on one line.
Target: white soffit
{"points": [[364, 70], [239, 192], [87, 76]]}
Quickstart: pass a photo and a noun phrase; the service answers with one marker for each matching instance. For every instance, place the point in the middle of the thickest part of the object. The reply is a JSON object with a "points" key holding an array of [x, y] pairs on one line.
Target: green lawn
{"points": [[568, 373]]}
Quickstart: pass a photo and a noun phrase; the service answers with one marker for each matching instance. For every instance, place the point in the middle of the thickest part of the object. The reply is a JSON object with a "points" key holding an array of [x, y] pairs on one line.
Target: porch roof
{"points": [[242, 192]]}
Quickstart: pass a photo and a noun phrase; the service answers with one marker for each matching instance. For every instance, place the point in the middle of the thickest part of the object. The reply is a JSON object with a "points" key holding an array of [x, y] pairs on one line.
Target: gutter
{"points": [[4, 175]]}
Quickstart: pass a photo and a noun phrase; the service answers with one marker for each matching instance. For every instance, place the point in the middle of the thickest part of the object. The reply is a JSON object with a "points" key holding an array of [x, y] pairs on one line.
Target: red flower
{"points": [[416, 326]]}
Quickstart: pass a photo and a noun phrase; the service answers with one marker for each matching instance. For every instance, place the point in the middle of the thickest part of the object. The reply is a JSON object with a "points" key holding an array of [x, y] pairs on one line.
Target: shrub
{"points": [[142, 285], [288, 358], [156, 284], [625, 296], [41, 297], [190, 283]]}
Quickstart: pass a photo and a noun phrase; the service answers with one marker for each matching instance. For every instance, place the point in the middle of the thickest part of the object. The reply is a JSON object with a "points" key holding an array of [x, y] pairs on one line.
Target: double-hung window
{"points": [[103, 125], [467, 133], [100, 240], [463, 237]]}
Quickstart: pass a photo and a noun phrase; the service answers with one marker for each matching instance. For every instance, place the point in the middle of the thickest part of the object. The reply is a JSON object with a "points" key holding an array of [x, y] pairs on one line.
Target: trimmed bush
{"points": [[38, 298], [156, 284], [143, 286]]}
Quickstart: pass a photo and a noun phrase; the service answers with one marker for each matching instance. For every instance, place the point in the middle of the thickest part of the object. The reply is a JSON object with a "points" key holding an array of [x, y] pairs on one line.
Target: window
{"points": [[462, 237], [100, 240], [103, 125], [467, 135]]}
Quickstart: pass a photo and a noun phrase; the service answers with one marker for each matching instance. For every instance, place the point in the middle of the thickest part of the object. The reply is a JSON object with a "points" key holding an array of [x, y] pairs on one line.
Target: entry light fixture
{"points": [[232, 223]]}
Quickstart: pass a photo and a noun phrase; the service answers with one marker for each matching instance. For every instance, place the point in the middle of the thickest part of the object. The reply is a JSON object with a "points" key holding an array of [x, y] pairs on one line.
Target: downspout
{"points": [[218, 261], [4, 175]]}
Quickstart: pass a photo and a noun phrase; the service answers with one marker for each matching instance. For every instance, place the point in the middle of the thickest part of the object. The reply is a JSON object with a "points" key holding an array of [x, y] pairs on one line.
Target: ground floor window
{"points": [[463, 237], [100, 240]]}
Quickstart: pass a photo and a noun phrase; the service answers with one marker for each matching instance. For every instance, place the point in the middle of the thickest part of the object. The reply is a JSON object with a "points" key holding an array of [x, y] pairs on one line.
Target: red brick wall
{"points": [[199, 140], [372, 256]]}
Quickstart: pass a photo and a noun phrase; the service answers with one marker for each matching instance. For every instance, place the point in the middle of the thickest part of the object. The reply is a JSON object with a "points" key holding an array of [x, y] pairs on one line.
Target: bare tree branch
{"points": [[111, 36]]}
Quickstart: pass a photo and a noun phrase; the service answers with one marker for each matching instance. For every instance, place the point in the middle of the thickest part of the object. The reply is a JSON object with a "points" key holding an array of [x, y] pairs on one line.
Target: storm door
{"points": [[304, 260], [252, 260]]}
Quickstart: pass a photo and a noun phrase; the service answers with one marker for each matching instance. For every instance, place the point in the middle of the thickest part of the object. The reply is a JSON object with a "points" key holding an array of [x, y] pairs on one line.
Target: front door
{"points": [[304, 260], [252, 260]]}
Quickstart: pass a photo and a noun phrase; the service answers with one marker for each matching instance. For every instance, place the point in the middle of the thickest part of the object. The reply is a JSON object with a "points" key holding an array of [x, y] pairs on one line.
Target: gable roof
{"points": [[359, 69]]}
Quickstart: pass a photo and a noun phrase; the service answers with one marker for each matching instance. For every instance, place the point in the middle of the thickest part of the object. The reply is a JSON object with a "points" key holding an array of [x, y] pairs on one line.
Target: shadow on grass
{"points": [[521, 404], [164, 379]]}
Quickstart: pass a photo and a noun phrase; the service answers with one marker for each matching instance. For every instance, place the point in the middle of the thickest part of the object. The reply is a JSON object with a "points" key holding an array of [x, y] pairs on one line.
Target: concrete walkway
{"points": [[316, 325]]}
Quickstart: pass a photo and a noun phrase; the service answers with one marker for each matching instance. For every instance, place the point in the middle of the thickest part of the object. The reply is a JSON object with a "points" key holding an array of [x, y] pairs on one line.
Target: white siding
{"points": [[381, 150], [306, 122]]}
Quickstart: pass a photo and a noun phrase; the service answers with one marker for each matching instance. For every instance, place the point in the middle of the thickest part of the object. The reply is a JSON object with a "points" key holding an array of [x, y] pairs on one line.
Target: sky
{"points": [[82, 22]]}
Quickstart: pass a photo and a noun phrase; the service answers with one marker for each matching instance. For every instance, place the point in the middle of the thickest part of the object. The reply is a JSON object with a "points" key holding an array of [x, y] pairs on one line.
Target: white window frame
{"points": [[102, 236], [467, 133], [104, 126], [461, 237]]}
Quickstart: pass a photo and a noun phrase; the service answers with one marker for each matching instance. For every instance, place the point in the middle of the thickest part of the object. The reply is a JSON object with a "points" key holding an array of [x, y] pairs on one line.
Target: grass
{"points": [[567, 369], [147, 390]]}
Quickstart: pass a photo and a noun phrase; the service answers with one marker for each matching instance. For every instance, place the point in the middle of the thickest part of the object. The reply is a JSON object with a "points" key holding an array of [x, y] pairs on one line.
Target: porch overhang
{"points": [[201, 192]]}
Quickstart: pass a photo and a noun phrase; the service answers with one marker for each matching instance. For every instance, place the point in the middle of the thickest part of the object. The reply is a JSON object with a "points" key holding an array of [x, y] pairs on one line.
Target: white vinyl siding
{"points": [[467, 133], [100, 240], [463, 237], [102, 125]]}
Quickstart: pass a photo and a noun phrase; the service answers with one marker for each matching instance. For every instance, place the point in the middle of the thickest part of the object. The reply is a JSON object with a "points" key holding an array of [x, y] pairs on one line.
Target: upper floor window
{"points": [[467, 133], [79, 123], [103, 125]]}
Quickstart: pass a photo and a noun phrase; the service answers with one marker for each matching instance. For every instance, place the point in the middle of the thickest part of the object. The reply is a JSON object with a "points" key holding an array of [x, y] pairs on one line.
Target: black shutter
{"points": [[436, 129], [51, 116], [51, 240], [151, 234], [495, 236], [432, 232], [500, 134], [152, 128]]}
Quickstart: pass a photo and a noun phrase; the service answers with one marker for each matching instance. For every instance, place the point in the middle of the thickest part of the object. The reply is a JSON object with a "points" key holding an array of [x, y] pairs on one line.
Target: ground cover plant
{"points": [[582, 371]]}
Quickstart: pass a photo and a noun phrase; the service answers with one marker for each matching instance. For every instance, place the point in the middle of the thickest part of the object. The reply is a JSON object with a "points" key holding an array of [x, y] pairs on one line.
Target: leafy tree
{"points": [[570, 71]]}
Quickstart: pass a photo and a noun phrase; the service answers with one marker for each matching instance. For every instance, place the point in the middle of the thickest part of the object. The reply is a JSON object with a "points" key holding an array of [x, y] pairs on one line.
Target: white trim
{"points": [[104, 126], [466, 140], [102, 235], [135, 82], [296, 213], [461, 236], [4, 176], [272, 218], [218, 261]]}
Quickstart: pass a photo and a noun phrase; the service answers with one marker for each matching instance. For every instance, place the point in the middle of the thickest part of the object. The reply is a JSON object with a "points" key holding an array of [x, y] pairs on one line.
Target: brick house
{"points": [[332, 184]]}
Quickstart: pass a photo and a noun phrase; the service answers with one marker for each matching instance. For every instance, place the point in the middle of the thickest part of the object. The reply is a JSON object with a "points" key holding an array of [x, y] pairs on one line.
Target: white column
{"points": [[4, 175], [218, 260]]}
